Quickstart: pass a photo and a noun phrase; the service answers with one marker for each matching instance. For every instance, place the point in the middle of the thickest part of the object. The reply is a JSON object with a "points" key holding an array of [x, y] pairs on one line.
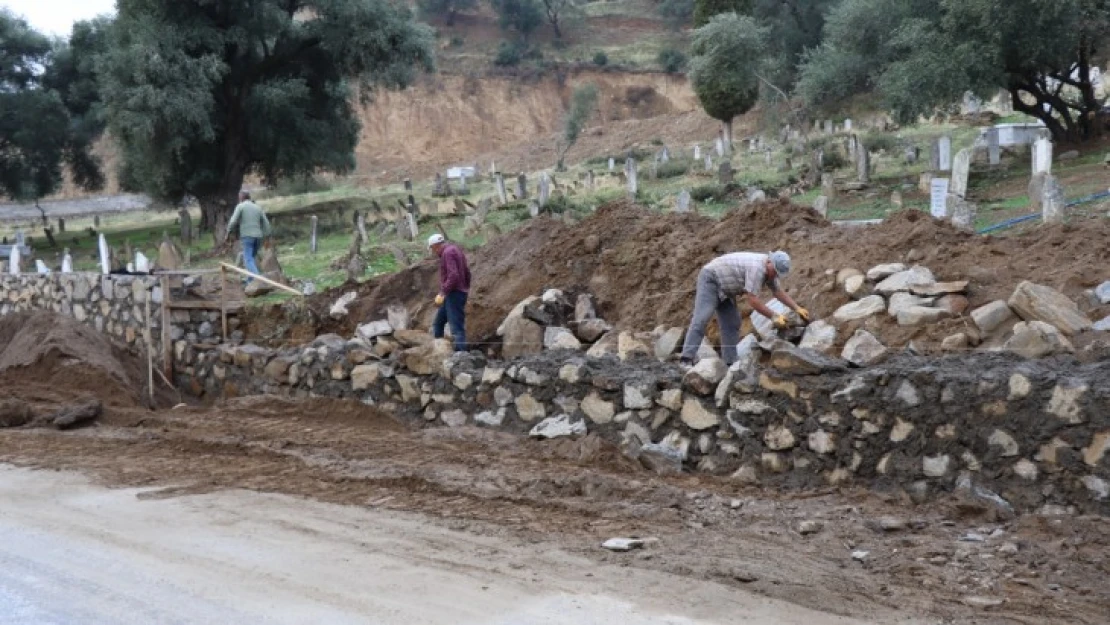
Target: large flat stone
{"points": [[881, 272], [1035, 302], [705, 376], [801, 361], [921, 315], [864, 350], [1036, 339], [902, 301], [520, 337], [557, 427], [990, 316], [1102, 292], [866, 307], [915, 276], [940, 288], [696, 416], [819, 336]]}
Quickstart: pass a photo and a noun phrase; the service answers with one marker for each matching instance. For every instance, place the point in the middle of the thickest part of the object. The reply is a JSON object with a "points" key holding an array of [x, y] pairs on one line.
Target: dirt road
{"points": [[469, 503], [90, 555]]}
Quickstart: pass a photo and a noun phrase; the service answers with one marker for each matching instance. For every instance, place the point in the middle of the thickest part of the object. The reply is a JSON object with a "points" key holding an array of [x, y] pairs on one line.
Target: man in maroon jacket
{"points": [[454, 288]]}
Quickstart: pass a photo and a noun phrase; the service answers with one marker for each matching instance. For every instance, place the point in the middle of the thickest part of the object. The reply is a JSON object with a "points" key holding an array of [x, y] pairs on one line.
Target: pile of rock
{"points": [[1036, 321]]}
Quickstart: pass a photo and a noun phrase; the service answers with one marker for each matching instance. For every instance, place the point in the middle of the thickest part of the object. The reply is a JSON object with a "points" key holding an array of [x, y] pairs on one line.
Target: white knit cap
{"points": [[436, 239], [781, 261]]}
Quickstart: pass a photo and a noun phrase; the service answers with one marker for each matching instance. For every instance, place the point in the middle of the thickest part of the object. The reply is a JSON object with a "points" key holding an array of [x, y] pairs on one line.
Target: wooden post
{"points": [[223, 302], [312, 244], [264, 279], [167, 349], [149, 339]]}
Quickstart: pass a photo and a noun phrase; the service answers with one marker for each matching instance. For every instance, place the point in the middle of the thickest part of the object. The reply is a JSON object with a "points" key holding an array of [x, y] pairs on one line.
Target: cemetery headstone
{"points": [[938, 198], [590, 179], [413, 228], [821, 205], [828, 185], [14, 260], [105, 256], [534, 209], [896, 199], [682, 202], [545, 189], [61, 225], [697, 152], [828, 126], [521, 186], [767, 157], [41, 267], [961, 169], [944, 154], [911, 155], [360, 224], [630, 175], [725, 173], [462, 185], [994, 151], [408, 185], [20, 239], [502, 195], [1042, 156], [664, 155], [963, 212], [1053, 201], [67, 262], [720, 146], [847, 125], [312, 241], [612, 164], [708, 162], [863, 164], [186, 222]]}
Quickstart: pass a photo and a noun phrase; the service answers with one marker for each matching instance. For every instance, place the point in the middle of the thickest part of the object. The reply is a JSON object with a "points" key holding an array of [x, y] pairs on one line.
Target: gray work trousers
{"points": [[706, 303]]}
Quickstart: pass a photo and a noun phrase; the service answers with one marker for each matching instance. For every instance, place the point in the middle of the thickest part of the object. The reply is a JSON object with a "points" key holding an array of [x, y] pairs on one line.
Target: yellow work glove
{"points": [[803, 313], [781, 322], [439, 299]]}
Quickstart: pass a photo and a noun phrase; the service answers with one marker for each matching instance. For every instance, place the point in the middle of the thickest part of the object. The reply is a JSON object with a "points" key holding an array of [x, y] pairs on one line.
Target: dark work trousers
{"points": [[453, 311]]}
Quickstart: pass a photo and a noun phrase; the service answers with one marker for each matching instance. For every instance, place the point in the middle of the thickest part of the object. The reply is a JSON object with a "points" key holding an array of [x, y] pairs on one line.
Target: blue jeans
{"points": [[453, 311], [250, 248]]}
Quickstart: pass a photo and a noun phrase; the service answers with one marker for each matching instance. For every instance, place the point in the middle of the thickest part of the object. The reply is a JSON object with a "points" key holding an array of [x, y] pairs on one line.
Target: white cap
{"points": [[435, 239]]}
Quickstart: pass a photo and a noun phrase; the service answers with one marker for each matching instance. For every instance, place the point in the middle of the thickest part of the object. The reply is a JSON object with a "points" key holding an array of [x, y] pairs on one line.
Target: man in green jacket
{"points": [[253, 227]]}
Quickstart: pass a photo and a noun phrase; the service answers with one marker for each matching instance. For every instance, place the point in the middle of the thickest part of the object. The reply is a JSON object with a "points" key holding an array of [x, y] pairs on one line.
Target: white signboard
{"points": [[938, 198]]}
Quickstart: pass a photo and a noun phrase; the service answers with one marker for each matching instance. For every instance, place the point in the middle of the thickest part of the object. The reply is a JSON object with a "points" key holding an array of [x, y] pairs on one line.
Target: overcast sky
{"points": [[56, 17]]}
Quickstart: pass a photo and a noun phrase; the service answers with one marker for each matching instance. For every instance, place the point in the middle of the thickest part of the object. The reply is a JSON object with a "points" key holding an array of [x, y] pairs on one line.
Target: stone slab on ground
{"points": [[866, 307], [989, 317], [864, 350], [1035, 302]]}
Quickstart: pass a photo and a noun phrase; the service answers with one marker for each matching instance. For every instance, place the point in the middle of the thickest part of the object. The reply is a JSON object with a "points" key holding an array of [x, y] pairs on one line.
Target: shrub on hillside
{"points": [[671, 60], [601, 59], [672, 169], [508, 54], [878, 141], [707, 192]]}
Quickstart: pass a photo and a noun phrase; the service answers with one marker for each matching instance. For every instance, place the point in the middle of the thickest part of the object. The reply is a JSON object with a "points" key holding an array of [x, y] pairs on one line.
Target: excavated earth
{"points": [[838, 550], [642, 266]]}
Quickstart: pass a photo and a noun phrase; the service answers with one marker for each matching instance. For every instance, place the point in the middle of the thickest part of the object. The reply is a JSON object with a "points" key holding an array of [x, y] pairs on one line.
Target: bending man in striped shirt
{"points": [[722, 280]]}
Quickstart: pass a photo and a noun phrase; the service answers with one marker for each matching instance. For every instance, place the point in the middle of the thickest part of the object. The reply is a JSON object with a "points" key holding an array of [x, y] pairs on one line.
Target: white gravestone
{"points": [[944, 160], [938, 198], [104, 256]]}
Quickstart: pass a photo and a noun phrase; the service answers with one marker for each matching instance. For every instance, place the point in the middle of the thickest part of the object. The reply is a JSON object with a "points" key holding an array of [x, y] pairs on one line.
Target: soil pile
{"points": [[642, 266], [52, 359]]}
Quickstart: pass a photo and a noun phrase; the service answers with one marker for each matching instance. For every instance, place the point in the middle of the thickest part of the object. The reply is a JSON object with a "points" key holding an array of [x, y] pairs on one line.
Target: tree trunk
{"points": [[726, 127], [215, 211]]}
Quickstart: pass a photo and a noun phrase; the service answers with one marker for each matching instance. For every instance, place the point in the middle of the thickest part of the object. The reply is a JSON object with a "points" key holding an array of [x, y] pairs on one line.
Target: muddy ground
{"points": [[944, 561]]}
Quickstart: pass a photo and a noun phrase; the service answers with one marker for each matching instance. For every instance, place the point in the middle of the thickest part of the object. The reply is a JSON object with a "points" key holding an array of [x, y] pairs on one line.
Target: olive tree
{"points": [[201, 94]]}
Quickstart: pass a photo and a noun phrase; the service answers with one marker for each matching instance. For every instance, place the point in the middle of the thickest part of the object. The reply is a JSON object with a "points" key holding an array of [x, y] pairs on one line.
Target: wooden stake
{"points": [[149, 339], [223, 302], [262, 278], [167, 348]]}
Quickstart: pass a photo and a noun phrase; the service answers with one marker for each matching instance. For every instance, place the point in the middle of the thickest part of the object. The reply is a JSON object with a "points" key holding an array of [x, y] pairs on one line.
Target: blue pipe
{"points": [[1017, 220]]}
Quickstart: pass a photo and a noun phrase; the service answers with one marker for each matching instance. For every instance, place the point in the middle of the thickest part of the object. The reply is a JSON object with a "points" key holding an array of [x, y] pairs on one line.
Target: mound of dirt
{"points": [[642, 266], [51, 359]]}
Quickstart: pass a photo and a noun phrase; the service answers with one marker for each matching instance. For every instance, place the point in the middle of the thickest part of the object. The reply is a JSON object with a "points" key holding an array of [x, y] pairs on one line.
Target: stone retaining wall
{"points": [[1009, 433], [114, 305]]}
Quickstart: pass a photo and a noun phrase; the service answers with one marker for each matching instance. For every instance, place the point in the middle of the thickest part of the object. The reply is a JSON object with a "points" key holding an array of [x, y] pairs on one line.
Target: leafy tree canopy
{"points": [[444, 9], [725, 55], [37, 133], [704, 10], [521, 16], [199, 94], [583, 103], [919, 55]]}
